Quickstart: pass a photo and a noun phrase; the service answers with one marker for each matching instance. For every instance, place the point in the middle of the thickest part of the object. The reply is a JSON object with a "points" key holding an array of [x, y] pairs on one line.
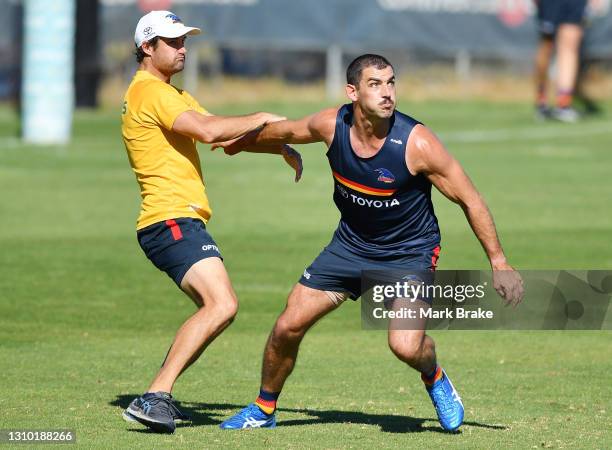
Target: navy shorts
{"points": [[552, 13], [337, 269], [175, 245]]}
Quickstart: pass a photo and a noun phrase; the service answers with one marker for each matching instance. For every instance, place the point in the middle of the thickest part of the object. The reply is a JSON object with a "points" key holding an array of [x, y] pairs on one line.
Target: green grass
{"points": [[85, 319]]}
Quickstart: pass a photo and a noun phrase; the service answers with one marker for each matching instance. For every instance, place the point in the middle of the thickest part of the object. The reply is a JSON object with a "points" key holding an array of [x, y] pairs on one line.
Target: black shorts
{"points": [[336, 269], [552, 13], [175, 245]]}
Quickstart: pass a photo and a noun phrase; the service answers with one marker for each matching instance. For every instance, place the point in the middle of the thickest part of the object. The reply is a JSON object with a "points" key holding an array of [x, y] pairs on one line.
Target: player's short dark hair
{"points": [[354, 70], [140, 54]]}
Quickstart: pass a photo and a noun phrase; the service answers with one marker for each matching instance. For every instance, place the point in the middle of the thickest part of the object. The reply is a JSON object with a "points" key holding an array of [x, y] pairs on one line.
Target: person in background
{"points": [[561, 28]]}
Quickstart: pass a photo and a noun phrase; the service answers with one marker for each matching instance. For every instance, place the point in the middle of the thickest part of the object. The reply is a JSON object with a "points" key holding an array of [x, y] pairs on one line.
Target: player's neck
{"points": [[147, 66], [370, 128]]}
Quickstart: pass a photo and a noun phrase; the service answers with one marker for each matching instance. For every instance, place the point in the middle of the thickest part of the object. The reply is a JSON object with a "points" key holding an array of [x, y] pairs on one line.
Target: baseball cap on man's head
{"points": [[161, 23]]}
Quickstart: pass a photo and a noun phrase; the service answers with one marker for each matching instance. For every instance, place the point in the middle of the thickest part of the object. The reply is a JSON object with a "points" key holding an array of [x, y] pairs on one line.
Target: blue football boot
{"points": [[249, 417], [447, 402]]}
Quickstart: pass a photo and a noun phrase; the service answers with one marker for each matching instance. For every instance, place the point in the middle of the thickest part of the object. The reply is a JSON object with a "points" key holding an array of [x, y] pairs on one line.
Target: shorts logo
{"points": [[385, 175], [306, 274], [208, 248]]}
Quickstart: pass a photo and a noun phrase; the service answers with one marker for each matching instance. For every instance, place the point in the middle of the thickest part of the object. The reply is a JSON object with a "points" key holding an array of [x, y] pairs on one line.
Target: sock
{"points": [[431, 378], [541, 98], [267, 401], [564, 99]]}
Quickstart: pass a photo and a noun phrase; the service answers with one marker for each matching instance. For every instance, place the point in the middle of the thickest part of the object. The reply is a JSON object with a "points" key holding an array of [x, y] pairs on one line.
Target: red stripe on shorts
{"points": [[434, 257], [175, 229]]}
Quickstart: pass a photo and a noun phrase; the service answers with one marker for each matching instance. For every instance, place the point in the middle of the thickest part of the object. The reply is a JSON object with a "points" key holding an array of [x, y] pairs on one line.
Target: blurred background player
{"points": [[560, 25], [160, 127]]}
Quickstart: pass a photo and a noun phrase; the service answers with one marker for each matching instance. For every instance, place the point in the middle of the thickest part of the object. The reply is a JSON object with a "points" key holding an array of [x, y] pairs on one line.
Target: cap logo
{"points": [[147, 31], [174, 18]]}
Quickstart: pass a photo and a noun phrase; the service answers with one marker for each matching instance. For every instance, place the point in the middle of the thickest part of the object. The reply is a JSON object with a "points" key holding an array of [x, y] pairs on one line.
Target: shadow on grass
{"points": [[214, 413]]}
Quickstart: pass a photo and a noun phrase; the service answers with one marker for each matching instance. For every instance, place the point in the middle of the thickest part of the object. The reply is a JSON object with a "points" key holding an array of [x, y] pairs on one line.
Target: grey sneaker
{"points": [[542, 112], [155, 410], [567, 115]]}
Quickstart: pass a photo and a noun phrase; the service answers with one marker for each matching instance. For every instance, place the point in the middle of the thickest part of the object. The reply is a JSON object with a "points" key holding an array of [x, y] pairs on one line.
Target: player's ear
{"points": [[351, 92], [147, 48]]}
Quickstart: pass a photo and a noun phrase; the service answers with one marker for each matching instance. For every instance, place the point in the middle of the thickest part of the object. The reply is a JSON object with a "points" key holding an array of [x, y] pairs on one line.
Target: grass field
{"points": [[85, 319]]}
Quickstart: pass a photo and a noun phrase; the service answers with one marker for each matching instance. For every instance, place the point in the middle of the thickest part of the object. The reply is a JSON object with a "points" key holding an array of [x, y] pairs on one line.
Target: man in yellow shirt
{"points": [[160, 127]]}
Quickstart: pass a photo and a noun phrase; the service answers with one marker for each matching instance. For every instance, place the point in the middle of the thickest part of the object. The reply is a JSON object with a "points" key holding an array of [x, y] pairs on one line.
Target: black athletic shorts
{"points": [[337, 269], [175, 245], [552, 13]]}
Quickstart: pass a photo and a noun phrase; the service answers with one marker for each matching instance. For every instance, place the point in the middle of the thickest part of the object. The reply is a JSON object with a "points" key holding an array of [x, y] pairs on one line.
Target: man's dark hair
{"points": [[140, 54], [354, 70]]}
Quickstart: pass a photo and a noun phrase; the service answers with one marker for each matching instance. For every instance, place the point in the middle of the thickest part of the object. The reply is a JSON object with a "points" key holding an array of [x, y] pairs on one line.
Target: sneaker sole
{"points": [[265, 426], [129, 418], [131, 415]]}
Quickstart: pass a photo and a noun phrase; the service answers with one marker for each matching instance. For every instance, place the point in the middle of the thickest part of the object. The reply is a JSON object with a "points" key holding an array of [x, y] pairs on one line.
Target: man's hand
{"points": [[271, 118], [508, 283], [291, 156], [227, 147], [294, 159]]}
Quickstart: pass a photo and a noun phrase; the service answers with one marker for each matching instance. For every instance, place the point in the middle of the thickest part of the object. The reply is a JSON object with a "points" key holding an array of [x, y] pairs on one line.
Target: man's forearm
{"points": [[210, 129], [252, 143], [224, 128], [481, 221]]}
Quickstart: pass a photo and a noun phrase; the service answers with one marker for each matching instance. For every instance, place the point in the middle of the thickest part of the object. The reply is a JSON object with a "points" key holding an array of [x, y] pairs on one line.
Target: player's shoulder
{"points": [[425, 152], [329, 113], [153, 86], [147, 89], [323, 122], [325, 117], [193, 102], [422, 138]]}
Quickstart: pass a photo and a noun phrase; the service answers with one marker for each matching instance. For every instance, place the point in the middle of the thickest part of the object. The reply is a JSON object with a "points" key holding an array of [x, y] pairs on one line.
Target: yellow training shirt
{"points": [[166, 163]]}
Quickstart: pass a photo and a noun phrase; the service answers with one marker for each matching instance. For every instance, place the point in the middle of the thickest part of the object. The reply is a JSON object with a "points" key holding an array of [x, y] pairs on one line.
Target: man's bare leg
{"points": [[208, 284], [569, 37], [542, 63], [305, 307], [408, 341], [414, 348]]}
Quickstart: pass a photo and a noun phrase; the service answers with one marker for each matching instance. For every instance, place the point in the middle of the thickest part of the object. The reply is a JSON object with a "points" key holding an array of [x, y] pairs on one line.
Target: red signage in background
{"points": [[513, 13], [154, 5]]}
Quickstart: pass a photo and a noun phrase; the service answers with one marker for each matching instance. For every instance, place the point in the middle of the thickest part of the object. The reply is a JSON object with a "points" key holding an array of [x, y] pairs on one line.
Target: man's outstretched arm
{"points": [[427, 155], [318, 127], [274, 137], [209, 128]]}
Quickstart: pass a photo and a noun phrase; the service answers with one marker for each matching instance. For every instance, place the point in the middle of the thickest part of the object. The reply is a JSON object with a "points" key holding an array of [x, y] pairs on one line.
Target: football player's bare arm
{"points": [[318, 127], [426, 154], [209, 128]]}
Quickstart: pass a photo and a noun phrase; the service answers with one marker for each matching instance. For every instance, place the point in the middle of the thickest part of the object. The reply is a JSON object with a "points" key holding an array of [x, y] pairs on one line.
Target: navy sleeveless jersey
{"points": [[385, 210]]}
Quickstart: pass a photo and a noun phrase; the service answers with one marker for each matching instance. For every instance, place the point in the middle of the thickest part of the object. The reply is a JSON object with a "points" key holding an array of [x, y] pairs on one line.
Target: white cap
{"points": [[161, 23]]}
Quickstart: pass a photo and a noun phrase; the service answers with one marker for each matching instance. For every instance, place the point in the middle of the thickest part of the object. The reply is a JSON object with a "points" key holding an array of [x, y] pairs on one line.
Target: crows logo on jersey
{"points": [[385, 175]]}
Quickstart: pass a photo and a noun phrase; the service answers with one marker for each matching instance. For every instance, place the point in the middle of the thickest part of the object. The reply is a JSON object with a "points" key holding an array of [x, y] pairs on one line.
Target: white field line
{"points": [[14, 142], [526, 134], [471, 136]]}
